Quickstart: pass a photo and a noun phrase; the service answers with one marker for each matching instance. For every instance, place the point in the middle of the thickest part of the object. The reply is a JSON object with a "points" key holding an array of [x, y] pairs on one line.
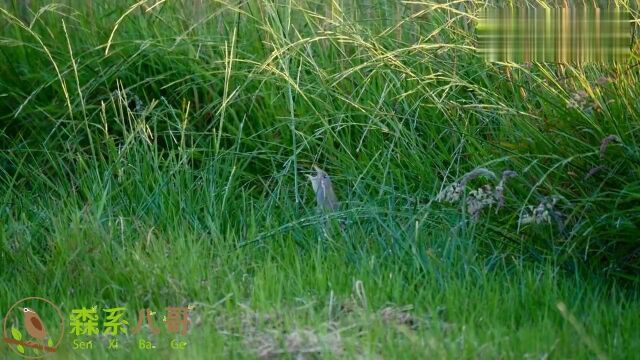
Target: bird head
{"points": [[27, 310], [321, 178]]}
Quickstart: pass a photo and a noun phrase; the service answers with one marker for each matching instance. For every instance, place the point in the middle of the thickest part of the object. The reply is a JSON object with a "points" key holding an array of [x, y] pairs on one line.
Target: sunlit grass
{"points": [[154, 153]]}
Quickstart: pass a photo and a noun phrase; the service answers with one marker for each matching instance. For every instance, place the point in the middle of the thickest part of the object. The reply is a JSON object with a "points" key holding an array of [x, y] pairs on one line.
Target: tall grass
{"points": [[155, 152]]}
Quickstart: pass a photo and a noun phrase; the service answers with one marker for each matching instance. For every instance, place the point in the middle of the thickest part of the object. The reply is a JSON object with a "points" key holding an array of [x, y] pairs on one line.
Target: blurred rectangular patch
{"points": [[572, 35]]}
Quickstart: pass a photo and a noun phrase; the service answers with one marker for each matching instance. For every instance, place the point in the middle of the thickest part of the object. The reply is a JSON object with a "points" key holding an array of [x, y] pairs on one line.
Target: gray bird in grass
{"points": [[322, 186], [325, 196]]}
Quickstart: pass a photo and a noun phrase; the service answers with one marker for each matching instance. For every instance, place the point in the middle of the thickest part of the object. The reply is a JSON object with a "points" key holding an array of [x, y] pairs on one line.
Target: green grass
{"points": [[200, 197]]}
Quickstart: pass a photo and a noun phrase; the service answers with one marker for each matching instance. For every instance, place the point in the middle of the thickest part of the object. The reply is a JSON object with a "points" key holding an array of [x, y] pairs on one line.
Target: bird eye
{"points": [[25, 310]]}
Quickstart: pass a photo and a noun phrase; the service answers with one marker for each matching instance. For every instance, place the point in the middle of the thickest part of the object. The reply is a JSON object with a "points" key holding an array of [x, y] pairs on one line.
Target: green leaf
{"points": [[50, 343], [20, 349], [16, 333]]}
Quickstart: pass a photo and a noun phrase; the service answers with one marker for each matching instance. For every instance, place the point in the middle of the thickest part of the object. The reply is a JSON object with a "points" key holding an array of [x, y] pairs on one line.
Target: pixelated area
{"points": [[573, 35]]}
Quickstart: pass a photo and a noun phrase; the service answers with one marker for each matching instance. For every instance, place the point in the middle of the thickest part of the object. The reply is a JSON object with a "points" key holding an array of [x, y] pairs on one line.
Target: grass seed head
{"points": [[605, 144], [478, 200], [451, 193]]}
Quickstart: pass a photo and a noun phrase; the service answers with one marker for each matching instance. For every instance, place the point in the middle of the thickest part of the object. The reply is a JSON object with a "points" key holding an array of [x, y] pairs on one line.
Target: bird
{"points": [[323, 188], [326, 198], [33, 324]]}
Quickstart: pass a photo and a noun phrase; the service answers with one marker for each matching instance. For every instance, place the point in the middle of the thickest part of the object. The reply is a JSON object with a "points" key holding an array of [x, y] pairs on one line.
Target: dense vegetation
{"points": [[154, 154]]}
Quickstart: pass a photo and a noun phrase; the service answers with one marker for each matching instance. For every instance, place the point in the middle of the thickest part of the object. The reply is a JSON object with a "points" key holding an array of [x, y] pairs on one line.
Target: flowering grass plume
{"points": [[605, 144], [579, 100], [499, 193], [480, 198], [453, 192], [594, 170], [544, 213]]}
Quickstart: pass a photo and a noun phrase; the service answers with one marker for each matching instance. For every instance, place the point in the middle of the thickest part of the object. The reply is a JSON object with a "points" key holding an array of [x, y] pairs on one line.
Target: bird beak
{"points": [[316, 168]]}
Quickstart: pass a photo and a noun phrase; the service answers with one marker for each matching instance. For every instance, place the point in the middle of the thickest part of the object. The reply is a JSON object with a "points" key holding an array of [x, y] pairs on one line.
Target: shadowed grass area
{"points": [[154, 154]]}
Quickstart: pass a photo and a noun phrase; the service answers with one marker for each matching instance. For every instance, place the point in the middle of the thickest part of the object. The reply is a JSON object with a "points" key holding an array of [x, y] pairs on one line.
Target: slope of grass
{"points": [[156, 156]]}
